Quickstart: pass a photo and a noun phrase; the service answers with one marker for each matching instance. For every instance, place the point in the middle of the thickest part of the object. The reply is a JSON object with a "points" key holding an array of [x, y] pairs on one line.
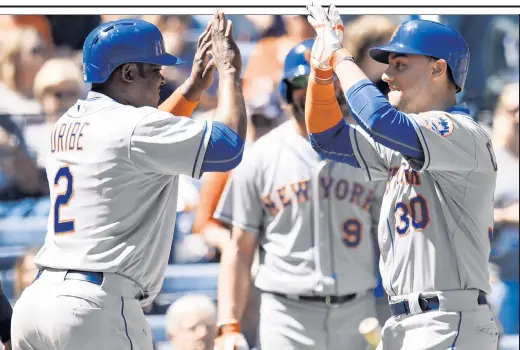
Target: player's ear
{"points": [[439, 67], [128, 72]]}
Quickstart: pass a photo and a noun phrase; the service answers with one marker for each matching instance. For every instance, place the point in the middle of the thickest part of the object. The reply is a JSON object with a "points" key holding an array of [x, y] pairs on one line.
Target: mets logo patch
{"points": [[440, 124]]}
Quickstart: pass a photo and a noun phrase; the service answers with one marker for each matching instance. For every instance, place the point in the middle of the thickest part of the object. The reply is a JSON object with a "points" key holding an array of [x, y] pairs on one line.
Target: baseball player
{"points": [[312, 220], [437, 212], [113, 173]]}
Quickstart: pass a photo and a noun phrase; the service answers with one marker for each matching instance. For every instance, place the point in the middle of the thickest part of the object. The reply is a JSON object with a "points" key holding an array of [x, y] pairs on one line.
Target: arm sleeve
{"points": [[176, 104], [240, 204], [170, 145], [332, 138], [211, 189], [385, 124]]}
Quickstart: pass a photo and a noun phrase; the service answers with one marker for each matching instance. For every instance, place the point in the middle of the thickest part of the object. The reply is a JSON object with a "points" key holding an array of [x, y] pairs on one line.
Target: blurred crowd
{"points": [[41, 77]]}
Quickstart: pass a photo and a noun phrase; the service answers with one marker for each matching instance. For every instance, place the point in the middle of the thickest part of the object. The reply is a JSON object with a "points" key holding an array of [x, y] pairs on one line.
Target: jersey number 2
{"points": [[63, 199]]}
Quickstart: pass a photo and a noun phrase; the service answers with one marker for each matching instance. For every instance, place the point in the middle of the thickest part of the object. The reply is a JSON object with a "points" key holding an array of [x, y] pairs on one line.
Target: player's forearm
{"points": [[231, 109], [183, 101], [374, 113], [233, 283], [329, 135]]}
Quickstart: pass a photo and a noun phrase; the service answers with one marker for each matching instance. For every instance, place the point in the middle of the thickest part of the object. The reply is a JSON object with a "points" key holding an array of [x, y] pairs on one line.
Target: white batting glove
{"points": [[337, 23], [329, 34]]}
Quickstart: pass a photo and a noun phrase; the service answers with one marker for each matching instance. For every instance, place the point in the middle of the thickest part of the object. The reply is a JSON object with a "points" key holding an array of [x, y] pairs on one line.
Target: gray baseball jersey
{"points": [[113, 175], [312, 217], [437, 215]]}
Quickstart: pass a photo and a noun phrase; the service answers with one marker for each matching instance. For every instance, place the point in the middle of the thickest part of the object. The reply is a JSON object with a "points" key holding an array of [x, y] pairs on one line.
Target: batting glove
{"points": [[329, 34]]}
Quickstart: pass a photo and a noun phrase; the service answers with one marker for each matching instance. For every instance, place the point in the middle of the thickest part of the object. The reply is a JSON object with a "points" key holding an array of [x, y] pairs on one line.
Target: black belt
{"points": [[89, 276], [329, 299], [426, 304]]}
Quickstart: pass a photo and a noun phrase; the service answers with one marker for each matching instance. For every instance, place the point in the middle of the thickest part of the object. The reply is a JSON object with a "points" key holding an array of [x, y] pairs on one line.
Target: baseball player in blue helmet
{"points": [[113, 170], [296, 71], [436, 220], [314, 221]]}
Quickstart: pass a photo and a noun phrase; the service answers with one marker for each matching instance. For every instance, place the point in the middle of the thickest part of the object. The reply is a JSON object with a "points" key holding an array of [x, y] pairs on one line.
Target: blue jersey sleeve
{"points": [[385, 124], [224, 151], [335, 144]]}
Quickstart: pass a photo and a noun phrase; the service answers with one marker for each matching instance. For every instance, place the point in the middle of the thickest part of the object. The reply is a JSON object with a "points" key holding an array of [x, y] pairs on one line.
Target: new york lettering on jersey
{"points": [[337, 188]]}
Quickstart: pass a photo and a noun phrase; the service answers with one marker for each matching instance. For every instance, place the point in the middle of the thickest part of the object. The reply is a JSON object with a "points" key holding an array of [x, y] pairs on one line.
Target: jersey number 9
{"points": [[63, 199], [352, 229]]}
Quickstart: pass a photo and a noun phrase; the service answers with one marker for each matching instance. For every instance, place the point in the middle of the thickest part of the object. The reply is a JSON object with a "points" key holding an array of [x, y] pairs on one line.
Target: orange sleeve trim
{"points": [[178, 105], [232, 326], [322, 110], [211, 189]]}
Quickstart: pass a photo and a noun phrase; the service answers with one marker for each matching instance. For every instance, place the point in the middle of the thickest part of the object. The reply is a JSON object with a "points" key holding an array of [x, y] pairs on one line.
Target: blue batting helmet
{"points": [[123, 41], [297, 63], [422, 37]]}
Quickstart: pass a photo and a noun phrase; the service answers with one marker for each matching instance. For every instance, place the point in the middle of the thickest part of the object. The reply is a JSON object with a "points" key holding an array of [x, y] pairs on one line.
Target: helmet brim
{"points": [[381, 53], [297, 71]]}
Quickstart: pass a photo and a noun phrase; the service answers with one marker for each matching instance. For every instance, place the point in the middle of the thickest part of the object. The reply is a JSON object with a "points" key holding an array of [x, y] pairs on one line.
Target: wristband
{"points": [[321, 76], [231, 326], [338, 56]]}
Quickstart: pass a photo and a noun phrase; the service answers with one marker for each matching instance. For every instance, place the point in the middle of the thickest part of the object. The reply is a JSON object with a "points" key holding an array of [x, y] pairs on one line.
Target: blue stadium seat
{"points": [[7, 278], [158, 325], [9, 255], [184, 278]]}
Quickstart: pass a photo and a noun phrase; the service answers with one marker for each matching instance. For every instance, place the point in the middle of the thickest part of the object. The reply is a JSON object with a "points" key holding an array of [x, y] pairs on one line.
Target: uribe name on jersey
{"points": [[67, 136]]}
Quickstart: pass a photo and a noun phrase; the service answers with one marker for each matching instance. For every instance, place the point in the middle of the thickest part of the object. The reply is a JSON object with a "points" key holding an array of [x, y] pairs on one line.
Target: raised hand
{"points": [[203, 64], [225, 51], [329, 35]]}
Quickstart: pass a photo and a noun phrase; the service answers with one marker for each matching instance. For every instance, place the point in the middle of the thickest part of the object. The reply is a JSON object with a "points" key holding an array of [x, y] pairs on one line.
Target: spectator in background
{"points": [[24, 271], [267, 58], [38, 22], [266, 25], [505, 247], [22, 53], [69, 32], [363, 33], [191, 323], [57, 86], [19, 175]]}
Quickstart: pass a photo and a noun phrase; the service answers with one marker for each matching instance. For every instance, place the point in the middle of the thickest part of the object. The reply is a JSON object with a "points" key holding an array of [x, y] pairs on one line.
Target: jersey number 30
{"points": [[63, 199], [414, 214]]}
